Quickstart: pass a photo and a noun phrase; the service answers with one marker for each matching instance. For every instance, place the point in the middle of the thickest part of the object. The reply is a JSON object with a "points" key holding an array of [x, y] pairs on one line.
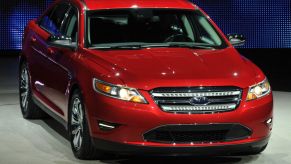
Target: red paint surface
{"points": [[53, 75]]}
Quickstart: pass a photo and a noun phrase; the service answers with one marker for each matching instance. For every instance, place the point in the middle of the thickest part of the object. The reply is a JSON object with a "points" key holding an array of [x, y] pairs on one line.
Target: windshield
{"points": [[151, 27]]}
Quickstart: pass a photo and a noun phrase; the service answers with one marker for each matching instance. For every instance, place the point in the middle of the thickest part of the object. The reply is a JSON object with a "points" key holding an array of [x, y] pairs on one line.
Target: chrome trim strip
{"points": [[186, 101], [197, 94], [167, 108], [106, 126], [221, 99]]}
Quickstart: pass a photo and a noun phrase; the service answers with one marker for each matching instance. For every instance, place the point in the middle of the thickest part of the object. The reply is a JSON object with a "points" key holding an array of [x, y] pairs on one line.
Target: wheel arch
{"points": [[77, 86]]}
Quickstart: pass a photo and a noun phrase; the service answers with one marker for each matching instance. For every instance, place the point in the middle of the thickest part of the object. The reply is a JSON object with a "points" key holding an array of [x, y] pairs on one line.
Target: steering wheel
{"points": [[178, 38]]}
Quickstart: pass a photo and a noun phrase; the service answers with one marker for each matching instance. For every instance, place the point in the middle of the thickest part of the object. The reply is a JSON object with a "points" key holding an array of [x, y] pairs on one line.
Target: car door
{"points": [[61, 66], [37, 44], [44, 70]]}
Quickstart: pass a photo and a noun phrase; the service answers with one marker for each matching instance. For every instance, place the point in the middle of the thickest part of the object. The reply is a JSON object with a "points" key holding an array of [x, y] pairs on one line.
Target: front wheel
{"points": [[28, 108], [79, 130]]}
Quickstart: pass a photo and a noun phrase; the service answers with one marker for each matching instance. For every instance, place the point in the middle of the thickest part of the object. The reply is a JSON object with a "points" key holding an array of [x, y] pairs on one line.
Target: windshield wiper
{"points": [[141, 46], [119, 47], [179, 45], [194, 46]]}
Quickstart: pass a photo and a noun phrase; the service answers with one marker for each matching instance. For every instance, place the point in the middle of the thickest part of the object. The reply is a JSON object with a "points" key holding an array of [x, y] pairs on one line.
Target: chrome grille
{"points": [[191, 100]]}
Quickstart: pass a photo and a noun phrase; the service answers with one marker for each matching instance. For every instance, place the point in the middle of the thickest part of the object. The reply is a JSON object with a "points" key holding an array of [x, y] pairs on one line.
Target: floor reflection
{"points": [[58, 128]]}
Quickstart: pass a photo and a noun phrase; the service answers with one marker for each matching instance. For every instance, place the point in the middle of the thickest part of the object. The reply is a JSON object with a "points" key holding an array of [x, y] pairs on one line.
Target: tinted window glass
{"points": [[46, 23], [53, 21], [151, 26]]}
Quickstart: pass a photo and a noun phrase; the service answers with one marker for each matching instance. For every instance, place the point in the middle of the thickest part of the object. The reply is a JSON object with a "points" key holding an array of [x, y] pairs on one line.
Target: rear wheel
{"points": [[28, 108], [79, 130]]}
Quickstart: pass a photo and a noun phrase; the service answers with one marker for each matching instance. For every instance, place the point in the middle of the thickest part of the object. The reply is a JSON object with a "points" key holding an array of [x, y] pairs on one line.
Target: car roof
{"points": [[119, 4]]}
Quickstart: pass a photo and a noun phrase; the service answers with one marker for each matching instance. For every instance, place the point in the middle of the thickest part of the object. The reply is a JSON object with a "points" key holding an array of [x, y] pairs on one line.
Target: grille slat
{"points": [[178, 100], [184, 101], [198, 108], [183, 94]]}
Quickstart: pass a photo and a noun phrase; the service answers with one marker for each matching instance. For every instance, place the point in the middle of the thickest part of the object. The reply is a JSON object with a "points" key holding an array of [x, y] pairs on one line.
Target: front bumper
{"points": [[131, 149], [135, 120]]}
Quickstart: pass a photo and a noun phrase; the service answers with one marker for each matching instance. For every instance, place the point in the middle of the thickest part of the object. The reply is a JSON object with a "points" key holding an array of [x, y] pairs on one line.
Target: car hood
{"points": [[176, 67]]}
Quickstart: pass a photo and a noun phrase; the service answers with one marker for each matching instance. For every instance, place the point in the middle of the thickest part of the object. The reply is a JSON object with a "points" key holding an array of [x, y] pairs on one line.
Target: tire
{"points": [[79, 134], [28, 108]]}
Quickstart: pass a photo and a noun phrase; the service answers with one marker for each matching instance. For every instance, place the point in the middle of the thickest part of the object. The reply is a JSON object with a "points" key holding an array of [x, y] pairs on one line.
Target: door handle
{"points": [[50, 51], [33, 39]]}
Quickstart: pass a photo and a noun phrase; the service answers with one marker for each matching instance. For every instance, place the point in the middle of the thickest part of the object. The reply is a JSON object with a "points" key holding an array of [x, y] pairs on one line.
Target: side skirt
{"points": [[49, 112]]}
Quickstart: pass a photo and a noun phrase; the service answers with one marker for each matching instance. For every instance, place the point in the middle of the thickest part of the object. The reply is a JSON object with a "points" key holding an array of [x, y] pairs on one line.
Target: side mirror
{"points": [[236, 39], [62, 41]]}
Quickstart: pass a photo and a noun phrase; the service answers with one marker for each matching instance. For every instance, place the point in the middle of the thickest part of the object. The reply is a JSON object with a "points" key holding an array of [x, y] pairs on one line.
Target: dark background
{"points": [[14, 15], [265, 23]]}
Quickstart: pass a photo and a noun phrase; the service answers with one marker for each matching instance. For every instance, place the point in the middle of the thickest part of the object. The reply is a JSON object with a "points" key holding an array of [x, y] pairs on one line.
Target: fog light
{"points": [[269, 121], [106, 126]]}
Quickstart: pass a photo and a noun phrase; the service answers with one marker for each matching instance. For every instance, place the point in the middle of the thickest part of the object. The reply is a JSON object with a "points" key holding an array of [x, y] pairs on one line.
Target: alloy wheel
{"points": [[77, 123], [24, 89]]}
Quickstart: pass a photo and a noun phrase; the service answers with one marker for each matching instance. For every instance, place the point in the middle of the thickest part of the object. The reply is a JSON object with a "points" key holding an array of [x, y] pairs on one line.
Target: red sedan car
{"points": [[153, 77]]}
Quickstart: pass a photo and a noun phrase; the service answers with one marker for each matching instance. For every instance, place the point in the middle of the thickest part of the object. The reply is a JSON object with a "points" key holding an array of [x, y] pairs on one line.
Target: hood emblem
{"points": [[199, 101]]}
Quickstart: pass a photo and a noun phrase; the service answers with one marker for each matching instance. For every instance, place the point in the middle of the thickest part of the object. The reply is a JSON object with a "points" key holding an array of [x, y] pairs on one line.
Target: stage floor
{"points": [[45, 141]]}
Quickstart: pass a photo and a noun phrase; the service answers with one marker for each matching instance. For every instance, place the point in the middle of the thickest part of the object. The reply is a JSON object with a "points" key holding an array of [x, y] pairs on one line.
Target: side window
{"points": [[71, 25], [45, 21], [53, 21]]}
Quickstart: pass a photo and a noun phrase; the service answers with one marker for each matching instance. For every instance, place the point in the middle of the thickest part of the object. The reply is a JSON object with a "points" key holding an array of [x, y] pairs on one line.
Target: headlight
{"points": [[259, 90], [118, 92]]}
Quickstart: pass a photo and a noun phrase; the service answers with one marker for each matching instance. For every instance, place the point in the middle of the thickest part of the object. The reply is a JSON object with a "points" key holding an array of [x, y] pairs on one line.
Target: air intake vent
{"points": [[197, 133]]}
